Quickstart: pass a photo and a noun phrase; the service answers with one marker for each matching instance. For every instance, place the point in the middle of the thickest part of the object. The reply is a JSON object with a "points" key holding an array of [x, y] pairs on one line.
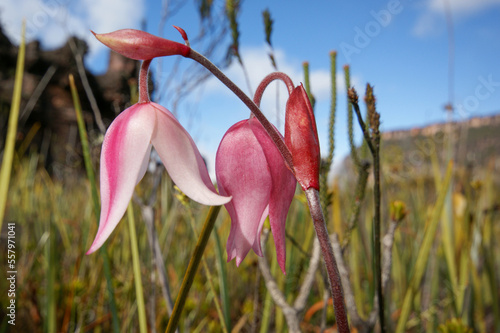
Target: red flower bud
{"points": [[140, 45], [301, 138]]}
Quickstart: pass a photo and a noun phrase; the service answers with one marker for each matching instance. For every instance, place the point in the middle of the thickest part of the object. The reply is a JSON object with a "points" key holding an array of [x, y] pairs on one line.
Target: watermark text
{"points": [[11, 273]]}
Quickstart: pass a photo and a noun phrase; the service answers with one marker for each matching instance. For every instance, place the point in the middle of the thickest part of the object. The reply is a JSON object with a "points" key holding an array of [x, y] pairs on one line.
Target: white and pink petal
{"points": [[125, 152], [183, 161]]}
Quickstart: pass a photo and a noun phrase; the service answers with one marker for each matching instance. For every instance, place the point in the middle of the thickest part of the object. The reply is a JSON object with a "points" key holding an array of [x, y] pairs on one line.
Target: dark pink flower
{"points": [[250, 168]]}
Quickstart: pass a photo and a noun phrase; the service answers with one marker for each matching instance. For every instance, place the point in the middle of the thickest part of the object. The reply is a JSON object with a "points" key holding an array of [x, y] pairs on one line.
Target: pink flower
{"points": [[301, 137], [125, 155], [250, 168]]}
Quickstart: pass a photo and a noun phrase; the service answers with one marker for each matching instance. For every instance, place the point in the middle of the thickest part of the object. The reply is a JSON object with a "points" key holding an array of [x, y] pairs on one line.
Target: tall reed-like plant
{"points": [[8, 153]]}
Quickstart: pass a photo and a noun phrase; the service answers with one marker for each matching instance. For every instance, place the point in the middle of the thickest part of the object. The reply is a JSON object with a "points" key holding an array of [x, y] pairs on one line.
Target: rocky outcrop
{"points": [[47, 106]]}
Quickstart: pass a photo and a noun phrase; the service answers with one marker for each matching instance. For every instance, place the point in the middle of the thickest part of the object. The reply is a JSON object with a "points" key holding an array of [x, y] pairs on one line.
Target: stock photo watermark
{"points": [[483, 91], [433, 137], [47, 12], [363, 37], [11, 273]]}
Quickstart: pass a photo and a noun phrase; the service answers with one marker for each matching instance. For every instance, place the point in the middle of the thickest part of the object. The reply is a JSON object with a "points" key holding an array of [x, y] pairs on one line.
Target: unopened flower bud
{"points": [[398, 211], [140, 45], [301, 138]]}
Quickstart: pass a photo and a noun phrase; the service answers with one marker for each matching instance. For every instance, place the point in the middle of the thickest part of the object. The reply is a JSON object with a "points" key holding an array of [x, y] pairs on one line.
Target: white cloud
{"points": [[427, 24], [461, 7], [258, 65], [53, 21], [431, 20]]}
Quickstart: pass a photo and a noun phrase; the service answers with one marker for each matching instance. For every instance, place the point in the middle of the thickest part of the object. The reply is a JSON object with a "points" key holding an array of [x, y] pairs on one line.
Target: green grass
{"points": [[54, 218]]}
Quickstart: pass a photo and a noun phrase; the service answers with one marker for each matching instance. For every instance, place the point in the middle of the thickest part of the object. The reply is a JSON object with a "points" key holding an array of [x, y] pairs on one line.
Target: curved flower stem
{"points": [[313, 200], [270, 129], [311, 194], [267, 80], [143, 82], [192, 268]]}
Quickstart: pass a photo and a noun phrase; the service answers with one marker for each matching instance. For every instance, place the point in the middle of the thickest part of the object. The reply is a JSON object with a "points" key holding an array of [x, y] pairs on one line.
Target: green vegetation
{"points": [[59, 286], [442, 217]]}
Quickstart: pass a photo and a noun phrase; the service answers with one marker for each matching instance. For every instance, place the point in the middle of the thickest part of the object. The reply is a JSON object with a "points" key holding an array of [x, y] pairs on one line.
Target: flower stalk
{"points": [[143, 82], [372, 138], [95, 200], [270, 129], [141, 307], [337, 291], [10, 140], [312, 193], [192, 268], [299, 149]]}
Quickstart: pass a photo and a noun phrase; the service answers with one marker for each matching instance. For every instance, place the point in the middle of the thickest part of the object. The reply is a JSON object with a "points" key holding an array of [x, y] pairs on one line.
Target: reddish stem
{"points": [[270, 129], [337, 291], [311, 193], [267, 80], [143, 82]]}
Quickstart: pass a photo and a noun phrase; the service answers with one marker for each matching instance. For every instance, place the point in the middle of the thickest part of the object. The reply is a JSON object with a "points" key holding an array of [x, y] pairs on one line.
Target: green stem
{"points": [[103, 251], [374, 146], [359, 197], [350, 118], [141, 308], [10, 141], [424, 251], [211, 284], [333, 108], [84, 140], [224, 293], [95, 200], [307, 84], [376, 234], [51, 277], [192, 268]]}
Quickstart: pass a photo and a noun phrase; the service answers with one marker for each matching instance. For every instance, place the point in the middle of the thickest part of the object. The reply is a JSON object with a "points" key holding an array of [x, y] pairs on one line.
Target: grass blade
{"points": [[95, 199], [192, 268], [139, 294], [425, 248], [50, 280], [8, 154], [223, 285]]}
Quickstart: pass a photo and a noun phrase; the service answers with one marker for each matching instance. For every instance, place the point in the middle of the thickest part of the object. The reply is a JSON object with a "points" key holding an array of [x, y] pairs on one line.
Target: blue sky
{"points": [[401, 47]]}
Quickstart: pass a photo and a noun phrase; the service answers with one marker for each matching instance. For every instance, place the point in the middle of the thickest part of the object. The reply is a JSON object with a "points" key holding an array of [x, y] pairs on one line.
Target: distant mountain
{"points": [[475, 140], [472, 143]]}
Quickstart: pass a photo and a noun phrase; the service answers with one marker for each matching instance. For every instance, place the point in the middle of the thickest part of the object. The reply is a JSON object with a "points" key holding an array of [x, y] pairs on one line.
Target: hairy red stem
{"points": [[267, 80], [143, 82], [331, 264], [270, 129]]}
